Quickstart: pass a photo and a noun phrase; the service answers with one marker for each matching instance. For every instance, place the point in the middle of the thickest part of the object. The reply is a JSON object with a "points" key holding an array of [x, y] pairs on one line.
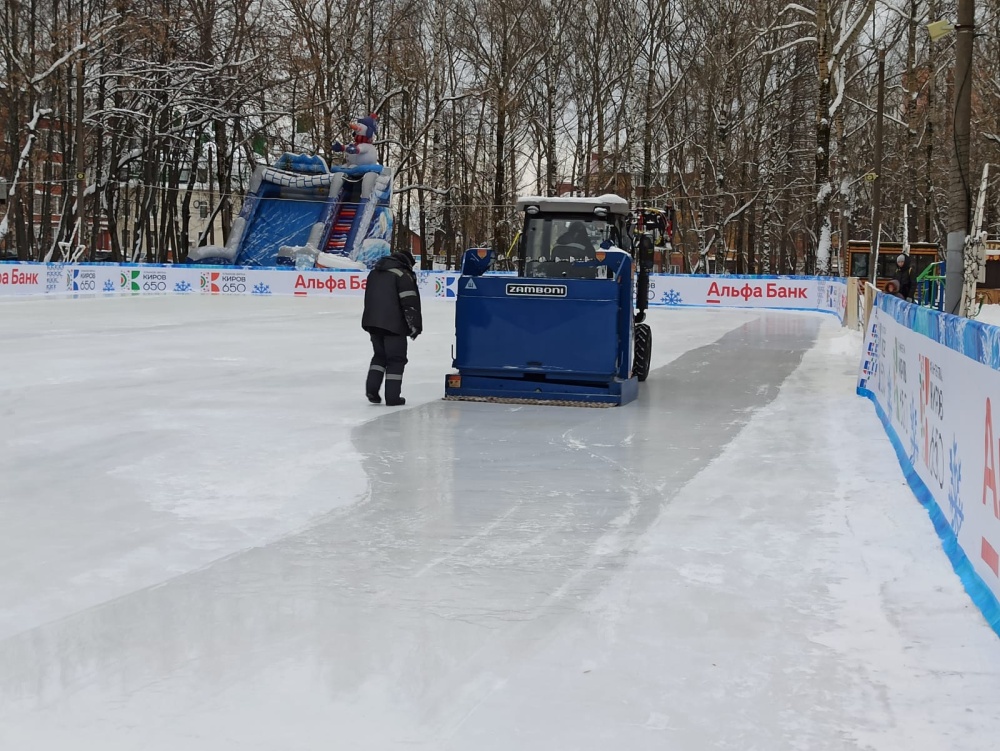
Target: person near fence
{"points": [[392, 312], [905, 277]]}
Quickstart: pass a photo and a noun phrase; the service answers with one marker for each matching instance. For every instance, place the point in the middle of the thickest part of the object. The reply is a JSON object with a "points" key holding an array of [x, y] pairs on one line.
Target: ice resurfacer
{"points": [[569, 327]]}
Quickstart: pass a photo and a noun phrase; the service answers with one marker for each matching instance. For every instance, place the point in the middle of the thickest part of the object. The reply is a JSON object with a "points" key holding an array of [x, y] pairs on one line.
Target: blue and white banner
{"points": [[133, 279], [935, 382], [784, 292], [789, 292]]}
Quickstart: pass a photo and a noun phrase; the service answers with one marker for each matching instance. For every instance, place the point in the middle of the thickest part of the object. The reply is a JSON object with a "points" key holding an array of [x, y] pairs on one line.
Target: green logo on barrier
{"points": [[130, 281]]}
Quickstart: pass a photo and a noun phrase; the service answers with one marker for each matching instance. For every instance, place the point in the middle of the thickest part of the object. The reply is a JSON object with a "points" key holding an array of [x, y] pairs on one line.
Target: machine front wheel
{"points": [[643, 351]]}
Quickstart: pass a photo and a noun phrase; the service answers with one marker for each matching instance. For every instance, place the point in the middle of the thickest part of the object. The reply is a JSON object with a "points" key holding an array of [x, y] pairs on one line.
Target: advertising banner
{"points": [[833, 297], [757, 292], [785, 292], [296, 282], [791, 292], [443, 284], [935, 383], [22, 279]]}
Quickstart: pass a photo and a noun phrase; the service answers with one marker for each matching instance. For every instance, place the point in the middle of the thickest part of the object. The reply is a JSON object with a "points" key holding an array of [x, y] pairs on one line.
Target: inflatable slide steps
{"points": [[341, 228]]}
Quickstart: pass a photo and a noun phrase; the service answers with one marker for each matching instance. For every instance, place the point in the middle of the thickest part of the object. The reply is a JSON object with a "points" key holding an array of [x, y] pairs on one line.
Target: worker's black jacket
{"points": [[906, 277], [392, 301]]}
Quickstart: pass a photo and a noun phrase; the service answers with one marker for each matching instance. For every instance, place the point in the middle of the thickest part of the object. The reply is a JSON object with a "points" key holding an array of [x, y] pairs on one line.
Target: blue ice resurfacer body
{"points": [[563, 329]]}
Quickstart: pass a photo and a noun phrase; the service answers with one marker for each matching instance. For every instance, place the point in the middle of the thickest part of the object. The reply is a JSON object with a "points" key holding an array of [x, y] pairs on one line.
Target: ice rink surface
{"points": [[209, 540]]}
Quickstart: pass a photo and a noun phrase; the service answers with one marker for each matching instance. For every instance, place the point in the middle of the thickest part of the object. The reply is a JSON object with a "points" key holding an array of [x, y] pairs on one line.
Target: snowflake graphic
{"points": [[261, 289], [954, 498], [109, 286], [671, 297], [182, 286], [914, 439]]}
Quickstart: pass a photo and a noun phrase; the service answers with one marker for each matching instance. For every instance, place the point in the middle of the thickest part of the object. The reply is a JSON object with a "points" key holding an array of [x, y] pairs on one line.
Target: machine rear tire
{"points": [[643, 351]]}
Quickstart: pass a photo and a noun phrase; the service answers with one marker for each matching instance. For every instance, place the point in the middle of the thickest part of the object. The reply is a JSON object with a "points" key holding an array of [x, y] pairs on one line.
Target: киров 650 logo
{"points": [[143, 281], [81, 280], [223, 282]]}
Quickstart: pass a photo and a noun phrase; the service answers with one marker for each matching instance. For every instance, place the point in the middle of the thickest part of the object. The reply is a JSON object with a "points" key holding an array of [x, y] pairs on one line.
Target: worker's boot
{"points": [[393, 385], [374, 383]]}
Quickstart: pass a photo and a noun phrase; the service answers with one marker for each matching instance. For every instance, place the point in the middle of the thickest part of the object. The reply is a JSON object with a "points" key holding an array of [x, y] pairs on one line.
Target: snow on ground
{"points": [[989, 314], [797, 594], [210, 540]]}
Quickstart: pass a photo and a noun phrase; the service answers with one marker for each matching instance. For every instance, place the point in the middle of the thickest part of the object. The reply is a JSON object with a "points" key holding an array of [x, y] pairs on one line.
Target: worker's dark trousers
{"points": [[388, 360]]}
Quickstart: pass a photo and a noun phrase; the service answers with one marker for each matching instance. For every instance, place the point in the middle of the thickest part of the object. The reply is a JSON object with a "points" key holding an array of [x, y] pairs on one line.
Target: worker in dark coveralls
{"points": [[392, 312], [905, 277]]}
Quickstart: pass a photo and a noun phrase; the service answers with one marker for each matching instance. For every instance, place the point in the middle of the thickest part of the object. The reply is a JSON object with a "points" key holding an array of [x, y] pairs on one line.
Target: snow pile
{"points": [[989, 314]]}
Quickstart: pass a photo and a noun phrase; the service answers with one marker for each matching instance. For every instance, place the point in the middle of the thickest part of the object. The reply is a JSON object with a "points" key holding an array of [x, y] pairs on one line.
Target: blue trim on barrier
{"points": [[754, 276], [982, 596], [743, 307], [198, 266], [458, 273], [976, 340]]}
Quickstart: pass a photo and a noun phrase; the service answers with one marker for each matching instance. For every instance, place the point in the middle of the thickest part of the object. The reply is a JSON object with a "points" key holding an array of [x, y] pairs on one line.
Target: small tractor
{"points": [[568, 327]]}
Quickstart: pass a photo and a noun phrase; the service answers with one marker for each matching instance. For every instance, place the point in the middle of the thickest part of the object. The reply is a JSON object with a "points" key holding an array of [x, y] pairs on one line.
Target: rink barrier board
{"points": [[824, 294], [934, 380]]}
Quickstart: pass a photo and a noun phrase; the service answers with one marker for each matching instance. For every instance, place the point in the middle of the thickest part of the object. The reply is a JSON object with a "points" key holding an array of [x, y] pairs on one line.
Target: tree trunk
{"points": [[823, 193], [499, 178], [551, 178], [647, 126], [100, 179], [910, 111], [960, 195], [843, 233], [929, 130], [223, 172]]}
